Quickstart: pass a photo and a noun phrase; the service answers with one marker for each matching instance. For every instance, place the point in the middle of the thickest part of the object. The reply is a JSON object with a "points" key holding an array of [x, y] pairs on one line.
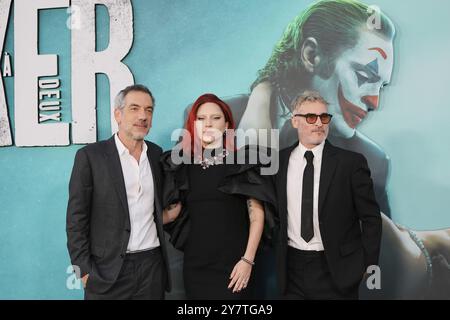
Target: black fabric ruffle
{"points": [[240, 179]]}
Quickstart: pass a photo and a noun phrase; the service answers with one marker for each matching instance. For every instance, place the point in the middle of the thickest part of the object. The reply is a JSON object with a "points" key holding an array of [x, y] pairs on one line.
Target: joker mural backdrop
{"points": [[64, 61]]}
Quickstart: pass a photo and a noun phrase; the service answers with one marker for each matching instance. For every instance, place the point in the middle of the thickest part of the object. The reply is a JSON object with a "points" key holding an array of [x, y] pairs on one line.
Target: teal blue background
{"points": [[185, 48]]}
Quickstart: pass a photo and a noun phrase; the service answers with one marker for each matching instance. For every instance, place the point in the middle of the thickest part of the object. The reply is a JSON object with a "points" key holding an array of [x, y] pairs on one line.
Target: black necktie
{"points": [[307, 231]]}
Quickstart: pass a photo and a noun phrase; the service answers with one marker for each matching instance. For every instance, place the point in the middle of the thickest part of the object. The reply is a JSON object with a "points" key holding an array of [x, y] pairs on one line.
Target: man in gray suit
{"points": [[114, 213]]}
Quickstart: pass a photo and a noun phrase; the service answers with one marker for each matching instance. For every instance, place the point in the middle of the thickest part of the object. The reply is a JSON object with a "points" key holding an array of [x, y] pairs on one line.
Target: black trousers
{"points": [[309, 278], [142, 277]]}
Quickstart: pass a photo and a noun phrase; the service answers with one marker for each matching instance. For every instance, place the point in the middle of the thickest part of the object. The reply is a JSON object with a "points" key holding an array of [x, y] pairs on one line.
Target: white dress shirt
{"points": [[297, 164], [138, 179]]}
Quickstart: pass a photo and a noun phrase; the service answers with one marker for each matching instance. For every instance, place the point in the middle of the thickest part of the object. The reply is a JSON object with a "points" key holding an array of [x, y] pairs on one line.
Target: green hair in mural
{"points": [[334, 24]]}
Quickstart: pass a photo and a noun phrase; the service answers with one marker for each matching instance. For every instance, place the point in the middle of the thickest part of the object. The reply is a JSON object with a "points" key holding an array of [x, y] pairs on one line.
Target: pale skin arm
{"points": [[171, 212], [242, 270], [84, 280], [437, 242], [257, 112], [402, 264]]}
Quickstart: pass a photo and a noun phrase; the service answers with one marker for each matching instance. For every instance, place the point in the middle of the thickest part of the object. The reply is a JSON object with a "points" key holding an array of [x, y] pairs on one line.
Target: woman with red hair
{"points": [[200, 134], [222, 218]]}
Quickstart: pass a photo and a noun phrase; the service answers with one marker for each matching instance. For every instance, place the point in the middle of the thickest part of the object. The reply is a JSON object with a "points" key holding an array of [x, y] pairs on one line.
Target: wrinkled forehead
{"points": [[311, 107], [139, 98]]}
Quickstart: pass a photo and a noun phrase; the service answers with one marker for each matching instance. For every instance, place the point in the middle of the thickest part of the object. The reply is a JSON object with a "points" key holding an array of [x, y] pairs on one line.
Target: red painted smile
{"points": [[352, 114]]}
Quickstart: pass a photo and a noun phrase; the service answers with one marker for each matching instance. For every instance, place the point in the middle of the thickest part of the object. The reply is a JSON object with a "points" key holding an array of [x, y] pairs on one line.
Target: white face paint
{"points": [[354, 87]]}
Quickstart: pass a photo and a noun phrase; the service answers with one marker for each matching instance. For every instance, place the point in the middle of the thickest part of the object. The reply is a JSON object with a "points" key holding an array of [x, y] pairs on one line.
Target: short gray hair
{"points": [[307, 96], [119, 101]]}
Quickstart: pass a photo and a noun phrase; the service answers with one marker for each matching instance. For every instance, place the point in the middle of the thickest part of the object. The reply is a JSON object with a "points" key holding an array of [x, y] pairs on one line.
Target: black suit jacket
{"points": [[349, 216], [98, 222]]}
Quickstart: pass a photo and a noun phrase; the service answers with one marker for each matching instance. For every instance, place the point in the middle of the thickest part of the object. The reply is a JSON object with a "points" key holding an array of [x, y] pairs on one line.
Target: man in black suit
{"points": [[330, 223], [114, 214]]}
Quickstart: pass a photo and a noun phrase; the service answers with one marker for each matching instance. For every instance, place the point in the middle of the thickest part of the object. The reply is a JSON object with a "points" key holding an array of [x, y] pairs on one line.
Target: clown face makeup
{"points": [[354, 87]]}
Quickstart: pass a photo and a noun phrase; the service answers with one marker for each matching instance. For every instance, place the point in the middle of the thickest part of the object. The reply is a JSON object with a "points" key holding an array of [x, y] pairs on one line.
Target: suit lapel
{"points": [[153, 159], [115, 171], [281, 182], [328, 168]]}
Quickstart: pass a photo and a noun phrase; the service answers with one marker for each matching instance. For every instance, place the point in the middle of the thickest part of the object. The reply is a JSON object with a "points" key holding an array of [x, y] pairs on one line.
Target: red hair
{"points": [[189, 143]]}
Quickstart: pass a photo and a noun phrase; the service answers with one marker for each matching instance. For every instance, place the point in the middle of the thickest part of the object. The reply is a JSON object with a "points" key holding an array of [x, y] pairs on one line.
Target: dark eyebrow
{"points": [[137, 105], [213, 115]]}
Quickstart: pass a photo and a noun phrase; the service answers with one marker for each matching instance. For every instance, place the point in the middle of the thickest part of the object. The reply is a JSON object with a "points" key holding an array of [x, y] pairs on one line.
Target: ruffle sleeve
{"points": [[174, 187], [247, 180], [241, 179]]}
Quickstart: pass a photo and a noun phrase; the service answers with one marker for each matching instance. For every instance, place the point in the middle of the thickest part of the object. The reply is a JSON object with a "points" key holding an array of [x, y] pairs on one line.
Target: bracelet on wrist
{"points": [[252, 263]]}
